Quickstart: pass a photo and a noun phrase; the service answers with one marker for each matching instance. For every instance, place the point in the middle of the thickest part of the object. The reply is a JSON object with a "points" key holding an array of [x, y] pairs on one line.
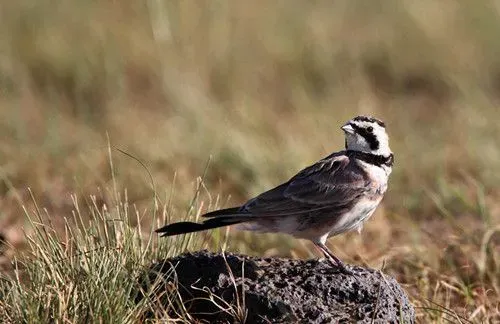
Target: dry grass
{"points": [[262, 88]]}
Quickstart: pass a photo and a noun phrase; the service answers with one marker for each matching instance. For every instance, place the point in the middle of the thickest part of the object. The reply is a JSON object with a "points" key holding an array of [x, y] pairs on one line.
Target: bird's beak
{"points": [[347, 128]]}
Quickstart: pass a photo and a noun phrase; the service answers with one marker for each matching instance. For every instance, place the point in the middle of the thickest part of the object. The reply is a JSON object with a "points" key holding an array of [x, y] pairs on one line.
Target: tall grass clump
{"points": [[91, 270]]}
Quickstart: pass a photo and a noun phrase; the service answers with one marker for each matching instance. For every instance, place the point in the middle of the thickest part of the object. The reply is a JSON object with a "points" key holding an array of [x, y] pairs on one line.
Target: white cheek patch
{"points": [[357, 142]]}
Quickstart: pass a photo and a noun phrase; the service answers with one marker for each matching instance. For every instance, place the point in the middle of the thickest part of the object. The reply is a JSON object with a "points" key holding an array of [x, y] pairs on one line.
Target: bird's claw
{"points": [[340, 267]]}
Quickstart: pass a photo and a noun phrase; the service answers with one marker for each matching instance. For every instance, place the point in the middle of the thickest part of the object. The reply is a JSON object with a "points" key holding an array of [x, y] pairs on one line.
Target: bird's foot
{"points": [[343, 268], [339, 267]]}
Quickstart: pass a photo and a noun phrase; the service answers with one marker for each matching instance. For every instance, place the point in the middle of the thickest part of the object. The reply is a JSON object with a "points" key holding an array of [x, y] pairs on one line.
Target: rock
{"points": [[274, 290]]}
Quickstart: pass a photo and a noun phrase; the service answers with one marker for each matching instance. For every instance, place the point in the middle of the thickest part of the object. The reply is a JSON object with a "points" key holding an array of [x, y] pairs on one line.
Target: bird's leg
{"points": [[330, 256]]}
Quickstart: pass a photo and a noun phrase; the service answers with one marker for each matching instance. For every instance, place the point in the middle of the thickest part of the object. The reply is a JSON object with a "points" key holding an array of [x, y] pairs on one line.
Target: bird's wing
{"points": [[334, 182]]}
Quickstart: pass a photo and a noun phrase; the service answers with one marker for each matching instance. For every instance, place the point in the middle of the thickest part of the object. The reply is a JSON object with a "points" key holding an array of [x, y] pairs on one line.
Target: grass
{"points": [[259, 89]]}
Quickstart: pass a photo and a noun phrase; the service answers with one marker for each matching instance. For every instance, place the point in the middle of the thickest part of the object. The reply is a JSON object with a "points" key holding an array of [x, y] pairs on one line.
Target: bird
{"points": [[332, 196]]}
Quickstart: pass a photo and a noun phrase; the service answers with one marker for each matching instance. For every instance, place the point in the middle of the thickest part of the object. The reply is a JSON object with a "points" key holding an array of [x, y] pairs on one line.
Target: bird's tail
{"points": [[221, 218], [233, 211]]}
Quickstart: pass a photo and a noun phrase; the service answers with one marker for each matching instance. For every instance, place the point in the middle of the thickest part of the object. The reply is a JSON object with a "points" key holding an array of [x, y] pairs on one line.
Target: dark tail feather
{"points": [[190, 227], [223, 212]]}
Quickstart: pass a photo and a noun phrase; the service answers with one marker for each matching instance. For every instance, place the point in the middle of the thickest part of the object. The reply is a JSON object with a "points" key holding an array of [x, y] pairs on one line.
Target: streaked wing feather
{"points": [[330, 183]]}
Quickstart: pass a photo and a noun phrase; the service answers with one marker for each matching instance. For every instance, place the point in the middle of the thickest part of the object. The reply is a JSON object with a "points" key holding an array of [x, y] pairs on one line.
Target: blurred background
{"points": [[257, 90]]}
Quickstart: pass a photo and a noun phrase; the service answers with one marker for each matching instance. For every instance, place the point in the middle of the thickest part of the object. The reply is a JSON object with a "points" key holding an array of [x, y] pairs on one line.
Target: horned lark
{"points": [[335, 195]]}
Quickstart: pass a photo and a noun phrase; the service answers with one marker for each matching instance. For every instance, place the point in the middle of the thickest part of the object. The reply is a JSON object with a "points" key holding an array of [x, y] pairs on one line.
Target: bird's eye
{"points": [[370, 129]]}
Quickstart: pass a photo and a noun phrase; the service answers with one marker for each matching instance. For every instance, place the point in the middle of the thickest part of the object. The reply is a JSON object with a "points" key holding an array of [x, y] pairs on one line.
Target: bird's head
{"points": [[366, 134]]}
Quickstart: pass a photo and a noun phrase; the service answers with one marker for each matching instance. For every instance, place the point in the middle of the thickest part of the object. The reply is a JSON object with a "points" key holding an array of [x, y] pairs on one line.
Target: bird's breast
{"points": [[376, 178]]}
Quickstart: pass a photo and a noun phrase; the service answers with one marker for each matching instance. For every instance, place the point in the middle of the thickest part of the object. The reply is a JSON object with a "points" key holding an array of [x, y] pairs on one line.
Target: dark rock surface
{"points": [[275, 290]]}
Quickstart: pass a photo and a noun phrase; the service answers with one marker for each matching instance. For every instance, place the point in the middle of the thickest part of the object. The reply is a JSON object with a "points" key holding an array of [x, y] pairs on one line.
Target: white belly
{"points": [[355, 217]]}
